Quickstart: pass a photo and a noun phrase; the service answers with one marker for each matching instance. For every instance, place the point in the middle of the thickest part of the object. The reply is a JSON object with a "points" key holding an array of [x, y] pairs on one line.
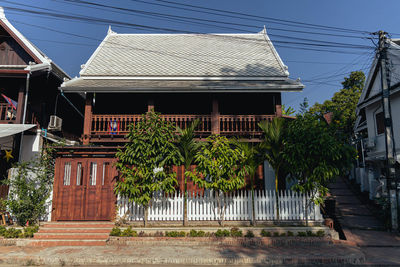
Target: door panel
{"points": [[83, 189]]}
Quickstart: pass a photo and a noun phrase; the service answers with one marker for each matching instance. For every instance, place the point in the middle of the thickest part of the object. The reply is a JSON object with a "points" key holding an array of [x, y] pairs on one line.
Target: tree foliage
{"points": [[219, 168], [315, 154], [343, 103], [145, 163], [30, 187]]}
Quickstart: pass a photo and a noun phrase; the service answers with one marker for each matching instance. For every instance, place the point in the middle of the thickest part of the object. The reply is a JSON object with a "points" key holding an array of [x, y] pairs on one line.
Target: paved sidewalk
{"points": [[189, 255], [363, 229]]}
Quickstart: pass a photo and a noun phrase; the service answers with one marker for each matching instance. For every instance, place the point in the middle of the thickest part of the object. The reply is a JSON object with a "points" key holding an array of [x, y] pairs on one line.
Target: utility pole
{"points": [[389, 140]]}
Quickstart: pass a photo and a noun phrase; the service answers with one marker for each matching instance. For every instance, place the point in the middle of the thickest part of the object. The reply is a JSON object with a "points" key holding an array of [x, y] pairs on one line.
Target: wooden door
{"points": [[83, 189]]}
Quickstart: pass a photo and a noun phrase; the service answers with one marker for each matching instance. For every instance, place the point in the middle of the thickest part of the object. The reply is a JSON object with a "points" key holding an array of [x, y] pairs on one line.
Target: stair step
{"points": [[72, 236], [74, 230], [79, 225], [63, 242]]}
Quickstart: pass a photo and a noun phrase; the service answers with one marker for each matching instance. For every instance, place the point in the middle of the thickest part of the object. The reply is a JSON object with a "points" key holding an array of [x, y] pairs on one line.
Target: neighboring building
{"points": [[230, 82], [369, 127], [28, 93]]}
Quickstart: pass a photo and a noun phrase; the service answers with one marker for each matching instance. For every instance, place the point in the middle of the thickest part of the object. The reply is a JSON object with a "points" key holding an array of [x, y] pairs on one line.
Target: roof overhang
{"points": [[179, 86]]}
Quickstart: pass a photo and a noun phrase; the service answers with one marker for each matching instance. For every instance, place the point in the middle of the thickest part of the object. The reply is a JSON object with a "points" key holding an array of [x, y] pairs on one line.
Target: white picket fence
{"points": [[238, 207]]}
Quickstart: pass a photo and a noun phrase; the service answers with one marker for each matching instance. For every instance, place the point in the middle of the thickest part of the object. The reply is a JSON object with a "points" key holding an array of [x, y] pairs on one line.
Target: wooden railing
{"points": [[7, 113], [119, 124], [242, 124]]}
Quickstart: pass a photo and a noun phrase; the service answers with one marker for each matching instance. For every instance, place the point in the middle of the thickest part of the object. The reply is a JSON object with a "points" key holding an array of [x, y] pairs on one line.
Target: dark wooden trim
{"points": [[11, 71], [21, 102], [19, 41], [215, 123], [87, 125]]}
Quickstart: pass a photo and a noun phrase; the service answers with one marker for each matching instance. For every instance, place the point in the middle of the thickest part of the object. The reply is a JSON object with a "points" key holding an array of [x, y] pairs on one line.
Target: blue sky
{"points": [[321, 72]]}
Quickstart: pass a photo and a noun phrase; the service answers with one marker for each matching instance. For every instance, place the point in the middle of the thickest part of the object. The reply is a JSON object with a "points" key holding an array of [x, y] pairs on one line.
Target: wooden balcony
{"points": [[7, 114], [113, 128]]}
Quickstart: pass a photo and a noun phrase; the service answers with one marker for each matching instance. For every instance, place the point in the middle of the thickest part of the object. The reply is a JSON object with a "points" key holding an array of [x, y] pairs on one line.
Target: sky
{"points": [[69, 41]]}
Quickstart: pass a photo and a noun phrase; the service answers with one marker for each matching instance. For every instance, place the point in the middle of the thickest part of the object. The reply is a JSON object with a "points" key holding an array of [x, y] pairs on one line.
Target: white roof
{"points": [[11, 129], [186, 55]]}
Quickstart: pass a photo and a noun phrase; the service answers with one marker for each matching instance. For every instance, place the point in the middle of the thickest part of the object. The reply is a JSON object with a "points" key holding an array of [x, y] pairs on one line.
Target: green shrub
{"points": [[310, 233], [276, 234], [194, 233], [320, 233], [222, 233], [282, 234], [30, 231], [289, 233], [13, 233], [235, 232], [249, 234], [265, 233], [116, 231], [175, 234], [129, 232], [301, 234], [2, 230], [158, 234]]}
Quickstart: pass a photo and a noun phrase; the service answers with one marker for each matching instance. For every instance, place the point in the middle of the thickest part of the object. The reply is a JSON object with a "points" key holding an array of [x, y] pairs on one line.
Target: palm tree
{"points": [[254, 159], [188, 148], [273, 144]]}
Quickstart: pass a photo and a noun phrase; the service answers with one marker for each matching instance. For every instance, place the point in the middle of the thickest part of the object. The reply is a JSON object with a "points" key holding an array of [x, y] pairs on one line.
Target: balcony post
{"points": [[150, 105], [87, 125], [215, 117], [21, 104], [278, 105]]}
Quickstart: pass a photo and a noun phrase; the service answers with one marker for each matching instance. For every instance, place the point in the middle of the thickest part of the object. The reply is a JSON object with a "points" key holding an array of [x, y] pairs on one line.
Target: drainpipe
{"points": [[24, 115]]}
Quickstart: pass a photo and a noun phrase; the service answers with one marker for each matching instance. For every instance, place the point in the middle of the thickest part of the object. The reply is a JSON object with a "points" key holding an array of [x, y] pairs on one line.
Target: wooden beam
{"points": [[20, 107], [278, 105], [215, 117], [87, 125], [150, 105]]}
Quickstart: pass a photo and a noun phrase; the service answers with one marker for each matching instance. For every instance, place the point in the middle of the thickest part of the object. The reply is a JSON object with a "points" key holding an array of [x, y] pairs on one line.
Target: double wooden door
{"points": [[83, 189]]}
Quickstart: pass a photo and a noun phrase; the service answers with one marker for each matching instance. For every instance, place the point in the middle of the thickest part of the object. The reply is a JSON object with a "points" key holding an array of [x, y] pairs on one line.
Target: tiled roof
{"points": [[185, 55]]}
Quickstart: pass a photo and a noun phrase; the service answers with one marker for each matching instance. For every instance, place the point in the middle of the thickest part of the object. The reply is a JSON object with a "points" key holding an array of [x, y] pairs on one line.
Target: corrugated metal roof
{"points": [[183, 55]]}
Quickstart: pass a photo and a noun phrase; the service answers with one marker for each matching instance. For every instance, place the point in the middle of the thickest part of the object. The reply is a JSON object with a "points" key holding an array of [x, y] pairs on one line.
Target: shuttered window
{"points": [[93, 173], [380, 123], [79, 172], [67, 173]]}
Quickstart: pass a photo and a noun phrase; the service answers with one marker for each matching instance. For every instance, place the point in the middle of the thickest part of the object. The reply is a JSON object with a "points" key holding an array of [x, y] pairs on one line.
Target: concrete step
{"points": [[75, 230], [63, 242], [72, 236], [78, 225]]}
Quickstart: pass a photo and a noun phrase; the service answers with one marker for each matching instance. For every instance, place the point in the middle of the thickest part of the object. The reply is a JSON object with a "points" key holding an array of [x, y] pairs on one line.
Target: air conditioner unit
{"points": [[55, 123], [371, 143]]}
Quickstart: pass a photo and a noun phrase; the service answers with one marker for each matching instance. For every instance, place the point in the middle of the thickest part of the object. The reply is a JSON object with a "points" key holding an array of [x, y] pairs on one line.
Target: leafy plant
{"points": [[129, 232], [158, 234], [30, 187], [222, 233], [188, 147], [219, 168], [30, 231], [116, 231], [249, 234], [265, 233], [301, 234], [320, 233], [145, 163], [2, 230], [276, 234], [289, 233], [282, 234], [13, 233], [175, 234], [235, 232], [194, 233]]}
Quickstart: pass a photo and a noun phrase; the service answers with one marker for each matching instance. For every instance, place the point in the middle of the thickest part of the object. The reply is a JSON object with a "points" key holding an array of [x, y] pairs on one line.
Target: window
{"points": [[93, 173], [67, 173], [79, 173], [105, 172], [380, 123]]}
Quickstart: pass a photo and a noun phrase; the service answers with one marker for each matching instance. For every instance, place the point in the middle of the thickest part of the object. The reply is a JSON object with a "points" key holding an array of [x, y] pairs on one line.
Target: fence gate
{"points": [[83, 189]]}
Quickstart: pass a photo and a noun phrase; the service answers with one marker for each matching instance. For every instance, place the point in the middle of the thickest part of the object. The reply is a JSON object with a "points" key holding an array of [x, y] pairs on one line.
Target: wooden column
{"points": [[21, 104], [87, 124], [278, 105], [215, 117], [150, 105]]}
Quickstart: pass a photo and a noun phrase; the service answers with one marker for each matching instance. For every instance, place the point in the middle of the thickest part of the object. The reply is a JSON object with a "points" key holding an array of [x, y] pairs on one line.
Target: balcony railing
{"points": [[7, 113], [108, 126]]}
